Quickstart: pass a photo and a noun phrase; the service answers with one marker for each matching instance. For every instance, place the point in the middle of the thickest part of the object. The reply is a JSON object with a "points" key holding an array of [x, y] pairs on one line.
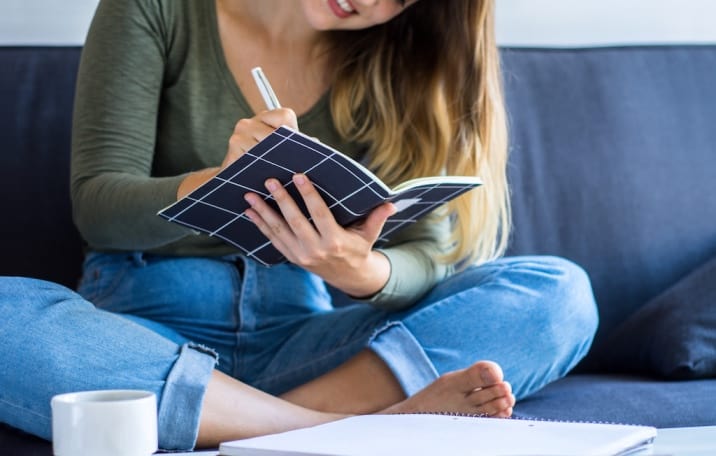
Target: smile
{"points": [[342, 8], [345, 6]]}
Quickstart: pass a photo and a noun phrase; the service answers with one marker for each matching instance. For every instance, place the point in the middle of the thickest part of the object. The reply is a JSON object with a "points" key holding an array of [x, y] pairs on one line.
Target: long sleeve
{"points": [[115, 198], [415, 268], [156, 100]]}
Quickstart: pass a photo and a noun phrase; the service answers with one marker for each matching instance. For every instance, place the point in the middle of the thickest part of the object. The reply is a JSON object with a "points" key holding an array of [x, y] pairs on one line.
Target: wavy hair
{"points": [[424, 92]]}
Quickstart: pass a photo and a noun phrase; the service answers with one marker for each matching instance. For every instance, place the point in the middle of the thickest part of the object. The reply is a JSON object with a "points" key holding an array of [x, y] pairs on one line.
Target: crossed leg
{"points": [[364, 384]]}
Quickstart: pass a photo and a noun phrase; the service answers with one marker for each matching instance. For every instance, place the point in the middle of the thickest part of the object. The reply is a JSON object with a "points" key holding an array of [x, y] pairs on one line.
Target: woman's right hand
{"points": [[247, 133]]}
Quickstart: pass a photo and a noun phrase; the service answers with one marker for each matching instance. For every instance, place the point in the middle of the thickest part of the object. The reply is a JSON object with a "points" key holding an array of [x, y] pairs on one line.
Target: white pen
{"points": [[265, 88]]}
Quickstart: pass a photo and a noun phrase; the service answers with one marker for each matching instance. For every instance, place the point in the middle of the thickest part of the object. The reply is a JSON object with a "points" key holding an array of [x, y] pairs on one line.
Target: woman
{"points": [[411, 88]]}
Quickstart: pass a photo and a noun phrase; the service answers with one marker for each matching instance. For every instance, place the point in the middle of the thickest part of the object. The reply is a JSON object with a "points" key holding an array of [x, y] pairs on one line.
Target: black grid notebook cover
{"points": [[217, 207]]}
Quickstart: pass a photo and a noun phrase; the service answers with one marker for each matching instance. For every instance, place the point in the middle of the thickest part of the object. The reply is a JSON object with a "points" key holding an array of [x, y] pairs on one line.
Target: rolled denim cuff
{"points": [[182, 398], [399, 349]]}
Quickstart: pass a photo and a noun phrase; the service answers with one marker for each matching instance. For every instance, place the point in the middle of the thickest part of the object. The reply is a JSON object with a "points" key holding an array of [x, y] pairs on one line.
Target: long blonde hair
{"points": [[424, 92]]}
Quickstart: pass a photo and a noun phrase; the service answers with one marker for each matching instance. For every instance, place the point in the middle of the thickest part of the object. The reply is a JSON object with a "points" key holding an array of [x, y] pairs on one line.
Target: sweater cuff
{"points": [[411, 276]]}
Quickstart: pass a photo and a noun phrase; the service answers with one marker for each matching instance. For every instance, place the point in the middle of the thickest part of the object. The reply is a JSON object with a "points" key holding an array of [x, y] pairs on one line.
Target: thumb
{"points": [[373, 224]]}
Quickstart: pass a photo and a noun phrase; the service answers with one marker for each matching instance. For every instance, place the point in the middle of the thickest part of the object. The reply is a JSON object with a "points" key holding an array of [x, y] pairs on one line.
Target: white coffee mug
{"points": [[104, 423]]}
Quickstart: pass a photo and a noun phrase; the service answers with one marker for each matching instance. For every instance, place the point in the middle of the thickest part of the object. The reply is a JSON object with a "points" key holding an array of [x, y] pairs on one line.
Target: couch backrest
{"points": [[614, 164], [37, 237]]}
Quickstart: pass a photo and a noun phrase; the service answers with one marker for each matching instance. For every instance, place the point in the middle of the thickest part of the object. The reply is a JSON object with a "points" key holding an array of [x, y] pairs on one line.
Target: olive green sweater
{"points": [[156, 100]]}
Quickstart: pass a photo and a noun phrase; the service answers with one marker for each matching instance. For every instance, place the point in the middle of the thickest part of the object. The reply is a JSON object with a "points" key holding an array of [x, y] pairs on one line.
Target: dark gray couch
{"points": [[613, 165]]}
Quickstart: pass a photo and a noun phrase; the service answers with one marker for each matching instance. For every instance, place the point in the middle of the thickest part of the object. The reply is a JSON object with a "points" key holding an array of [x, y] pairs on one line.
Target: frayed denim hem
{"points": [[181, 402], [399, 349]]}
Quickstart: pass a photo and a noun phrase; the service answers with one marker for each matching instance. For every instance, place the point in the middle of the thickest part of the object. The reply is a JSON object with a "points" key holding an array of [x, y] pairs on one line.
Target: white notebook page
{"points": [[431, 435]]}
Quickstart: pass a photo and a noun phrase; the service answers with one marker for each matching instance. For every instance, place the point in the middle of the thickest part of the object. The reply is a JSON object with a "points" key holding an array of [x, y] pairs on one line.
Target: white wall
{"points": [[519, 22], [605, 22], [52, 22]]}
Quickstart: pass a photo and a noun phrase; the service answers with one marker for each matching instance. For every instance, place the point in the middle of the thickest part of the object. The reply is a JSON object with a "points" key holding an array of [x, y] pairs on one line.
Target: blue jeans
{"points": [[161, 324]]}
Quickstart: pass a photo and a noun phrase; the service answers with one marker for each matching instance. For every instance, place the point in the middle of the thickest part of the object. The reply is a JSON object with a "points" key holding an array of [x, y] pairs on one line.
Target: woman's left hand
{"points": [[343, 257]]}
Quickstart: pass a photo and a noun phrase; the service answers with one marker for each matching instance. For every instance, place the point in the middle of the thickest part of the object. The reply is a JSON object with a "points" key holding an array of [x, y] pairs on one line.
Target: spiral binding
{"points": [[466, 415], [518, 418]]}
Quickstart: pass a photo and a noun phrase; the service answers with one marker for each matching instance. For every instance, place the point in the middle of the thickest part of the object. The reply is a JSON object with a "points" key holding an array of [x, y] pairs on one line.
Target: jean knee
{"points": [[573, 309], [23, 295]]}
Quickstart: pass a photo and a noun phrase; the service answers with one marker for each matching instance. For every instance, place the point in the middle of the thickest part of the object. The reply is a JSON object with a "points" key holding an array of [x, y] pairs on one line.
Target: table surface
{"points": [[687, 441]]}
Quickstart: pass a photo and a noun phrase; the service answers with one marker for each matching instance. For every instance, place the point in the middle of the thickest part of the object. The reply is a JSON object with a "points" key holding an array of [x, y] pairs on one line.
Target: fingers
{"points": [[318, 209], [248, 132], [373, 225], [271, 224], [289, 230], [279, 117], [313, 239], [270, 120], [323, 219], [294, 218]]}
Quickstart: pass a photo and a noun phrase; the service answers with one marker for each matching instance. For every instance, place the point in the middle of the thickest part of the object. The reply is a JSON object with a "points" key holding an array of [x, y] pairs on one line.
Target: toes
{"points": [[479, 389], [490, 372], [499, 407], [490, 393], [482, 374], [495, 400]]}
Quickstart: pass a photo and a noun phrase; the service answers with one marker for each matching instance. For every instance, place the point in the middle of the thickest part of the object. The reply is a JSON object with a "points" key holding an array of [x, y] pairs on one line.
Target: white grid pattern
{"points": [[348, 189]]}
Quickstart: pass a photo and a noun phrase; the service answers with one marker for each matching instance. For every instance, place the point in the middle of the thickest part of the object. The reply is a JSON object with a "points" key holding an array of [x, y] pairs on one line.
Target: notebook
{"points": [[435, 435], [351, 191]]}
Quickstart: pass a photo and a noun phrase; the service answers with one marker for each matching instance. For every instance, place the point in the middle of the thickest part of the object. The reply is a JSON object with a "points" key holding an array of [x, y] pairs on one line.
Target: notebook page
{"points": [[430, 435]]}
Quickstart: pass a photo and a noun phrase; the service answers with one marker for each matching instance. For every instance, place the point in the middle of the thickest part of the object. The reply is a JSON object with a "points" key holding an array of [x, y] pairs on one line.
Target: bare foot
{"points": [[479, 389]]}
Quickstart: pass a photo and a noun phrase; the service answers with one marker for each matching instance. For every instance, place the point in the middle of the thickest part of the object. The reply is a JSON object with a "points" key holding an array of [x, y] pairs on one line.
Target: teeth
{"points": [[345, 6]]}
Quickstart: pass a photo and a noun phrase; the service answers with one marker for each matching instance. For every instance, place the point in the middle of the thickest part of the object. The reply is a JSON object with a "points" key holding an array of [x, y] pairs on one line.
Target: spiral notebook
{"points": [[434, 435]]}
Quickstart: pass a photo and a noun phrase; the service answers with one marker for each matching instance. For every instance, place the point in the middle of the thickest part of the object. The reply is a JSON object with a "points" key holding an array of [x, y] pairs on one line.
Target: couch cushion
{"points": [[37, 236], [16, 442], [674, 335], [624, 399], [613, 164]]}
